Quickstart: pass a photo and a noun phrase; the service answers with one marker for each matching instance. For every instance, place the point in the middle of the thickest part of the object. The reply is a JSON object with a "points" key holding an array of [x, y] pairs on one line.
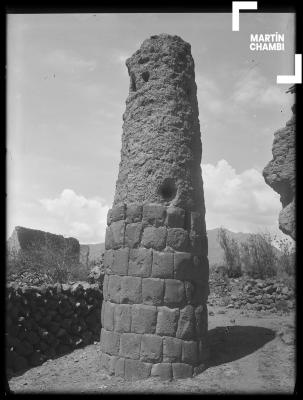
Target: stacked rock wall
{"points": [[48, 321], [154, 313]]}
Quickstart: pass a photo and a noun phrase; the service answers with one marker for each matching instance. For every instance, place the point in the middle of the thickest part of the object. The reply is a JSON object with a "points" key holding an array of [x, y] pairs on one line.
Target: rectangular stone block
{"points": [[131, 290], [117, 234], [114, 288], [118, 213], [104, 286], [172, 349], [108, 318], [190, 352], [120, 367], [120, 262], [186, 325], [174, 295], [154, 214], [110, 342], [153, 291], [181, 370], [151, 348], [167, 321], [175, 217], [130, 345], [108, 259], [144, 318], [133, 234], [122, 318], [154, 237], [162, 371], [134, 212], [177, 239], [183, 266], [163, 264], [140, 262], [135, 369]]}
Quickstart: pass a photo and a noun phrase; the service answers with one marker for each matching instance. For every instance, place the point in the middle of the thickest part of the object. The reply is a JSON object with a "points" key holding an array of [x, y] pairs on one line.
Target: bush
{"points": [[287, 259], [231, 253], [259, 256]]}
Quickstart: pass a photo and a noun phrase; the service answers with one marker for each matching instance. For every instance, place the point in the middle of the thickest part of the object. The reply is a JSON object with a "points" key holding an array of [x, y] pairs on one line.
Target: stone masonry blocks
{"points": [[163, 265], [155, 289], [130, 345], [151, 348], [122, 317], [154, 237], [167, 321], [154, 214], [110, 342], [175, 217], [178, 239], [144, 319], [174, 295], [140, 262], [172, 349], [131, 290]]}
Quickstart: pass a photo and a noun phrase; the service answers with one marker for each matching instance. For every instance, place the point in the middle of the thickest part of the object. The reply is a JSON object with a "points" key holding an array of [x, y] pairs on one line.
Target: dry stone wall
{"points": [[47, 321], [154, 313]]}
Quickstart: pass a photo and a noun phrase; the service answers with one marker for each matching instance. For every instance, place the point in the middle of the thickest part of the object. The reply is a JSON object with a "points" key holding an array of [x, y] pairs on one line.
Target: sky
{"points": [[67, 84]]}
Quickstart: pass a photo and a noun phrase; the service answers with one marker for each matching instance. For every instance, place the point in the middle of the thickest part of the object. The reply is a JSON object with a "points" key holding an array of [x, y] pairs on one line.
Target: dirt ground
{"points": [[255, 355]]}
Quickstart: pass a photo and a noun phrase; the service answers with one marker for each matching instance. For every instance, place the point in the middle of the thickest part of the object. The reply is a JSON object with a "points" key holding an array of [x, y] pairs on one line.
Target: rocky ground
{"points": [[254, 355]]}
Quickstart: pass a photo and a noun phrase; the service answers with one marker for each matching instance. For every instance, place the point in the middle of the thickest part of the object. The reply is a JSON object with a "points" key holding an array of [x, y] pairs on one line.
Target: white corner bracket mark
{"points": [[297, 77], [241, 5]]}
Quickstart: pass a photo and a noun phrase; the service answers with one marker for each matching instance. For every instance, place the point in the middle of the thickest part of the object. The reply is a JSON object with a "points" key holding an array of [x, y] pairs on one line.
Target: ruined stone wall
{"points": [[280, 174], [44, 322], [154, 313], [33, 242]]}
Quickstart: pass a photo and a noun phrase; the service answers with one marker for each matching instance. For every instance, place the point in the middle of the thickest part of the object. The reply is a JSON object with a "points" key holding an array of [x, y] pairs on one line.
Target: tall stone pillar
{"points": [[154, 313]]}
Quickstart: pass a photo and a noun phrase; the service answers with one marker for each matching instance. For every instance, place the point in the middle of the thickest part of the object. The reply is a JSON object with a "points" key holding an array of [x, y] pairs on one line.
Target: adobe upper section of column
{"points": [[161, 144]]}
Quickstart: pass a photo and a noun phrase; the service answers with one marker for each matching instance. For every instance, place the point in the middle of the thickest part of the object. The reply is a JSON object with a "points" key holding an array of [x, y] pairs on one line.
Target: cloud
{"points": [[67, 61], [238, 201], [78, 216], [252, 89]]}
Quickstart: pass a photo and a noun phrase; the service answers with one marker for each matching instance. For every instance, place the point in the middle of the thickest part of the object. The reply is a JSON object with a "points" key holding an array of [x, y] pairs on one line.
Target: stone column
{"points": [[154, 313]]}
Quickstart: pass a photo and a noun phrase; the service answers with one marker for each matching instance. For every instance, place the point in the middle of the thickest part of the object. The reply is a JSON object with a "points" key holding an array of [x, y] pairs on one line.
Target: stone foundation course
{"points": [[48, 321]]}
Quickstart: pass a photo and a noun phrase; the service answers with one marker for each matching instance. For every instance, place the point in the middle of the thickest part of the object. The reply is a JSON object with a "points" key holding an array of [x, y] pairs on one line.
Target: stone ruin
{"points": [[154, 314], [280, 173]]}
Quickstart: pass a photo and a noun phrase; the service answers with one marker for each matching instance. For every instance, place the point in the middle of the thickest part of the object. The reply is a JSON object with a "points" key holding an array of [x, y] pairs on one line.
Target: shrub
{"points": [[259, 256], [231, 253], [287, 259]]}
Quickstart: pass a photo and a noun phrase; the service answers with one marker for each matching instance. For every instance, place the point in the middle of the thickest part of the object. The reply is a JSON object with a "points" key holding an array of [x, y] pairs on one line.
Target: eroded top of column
{"points": [[161, 141]]}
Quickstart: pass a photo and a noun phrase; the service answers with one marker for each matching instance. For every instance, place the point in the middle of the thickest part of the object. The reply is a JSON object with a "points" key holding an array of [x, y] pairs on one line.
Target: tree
{"points": [[231, 253]]}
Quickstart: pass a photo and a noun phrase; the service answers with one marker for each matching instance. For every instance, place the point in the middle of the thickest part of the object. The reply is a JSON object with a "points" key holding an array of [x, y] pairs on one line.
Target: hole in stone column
{"points": [[167, 190], [133, 86], [145, 76]]}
